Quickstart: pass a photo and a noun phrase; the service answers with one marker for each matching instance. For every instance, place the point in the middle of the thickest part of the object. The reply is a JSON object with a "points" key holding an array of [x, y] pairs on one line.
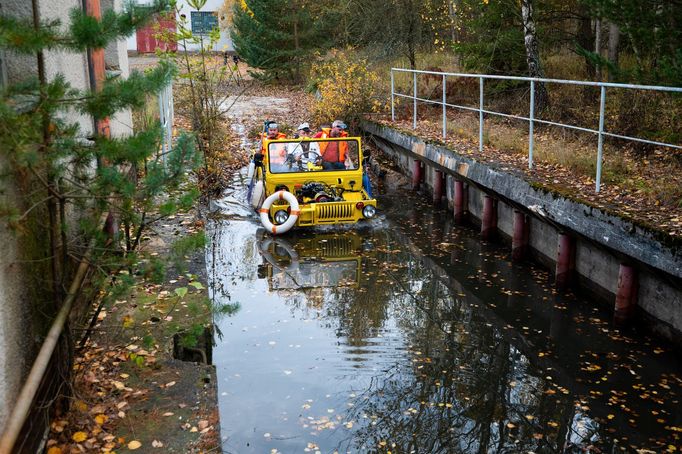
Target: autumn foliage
{"points": [[345, 87]]}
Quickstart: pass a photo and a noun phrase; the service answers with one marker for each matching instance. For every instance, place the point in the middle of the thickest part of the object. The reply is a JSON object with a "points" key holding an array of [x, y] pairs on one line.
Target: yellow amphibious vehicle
{"points": [[307, 182]]}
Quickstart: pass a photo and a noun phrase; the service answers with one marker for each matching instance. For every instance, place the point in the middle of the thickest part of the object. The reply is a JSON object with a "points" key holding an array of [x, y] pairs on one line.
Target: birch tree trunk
{"points": [[533, 53]]}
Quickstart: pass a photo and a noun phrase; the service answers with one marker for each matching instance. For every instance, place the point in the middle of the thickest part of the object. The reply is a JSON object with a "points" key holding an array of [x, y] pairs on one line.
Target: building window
{"points": [[203, 22]]}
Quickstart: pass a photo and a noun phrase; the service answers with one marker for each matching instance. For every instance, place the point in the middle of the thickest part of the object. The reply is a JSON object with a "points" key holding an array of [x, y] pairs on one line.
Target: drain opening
{"points": [[196, 347]]}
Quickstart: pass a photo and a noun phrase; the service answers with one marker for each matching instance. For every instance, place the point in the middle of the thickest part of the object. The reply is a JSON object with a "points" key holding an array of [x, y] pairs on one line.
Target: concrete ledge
{"points": [[612, 232]]}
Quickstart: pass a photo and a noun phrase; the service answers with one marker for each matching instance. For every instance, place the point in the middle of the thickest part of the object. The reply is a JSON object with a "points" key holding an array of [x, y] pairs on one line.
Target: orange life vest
{"points": [[265, 141]]}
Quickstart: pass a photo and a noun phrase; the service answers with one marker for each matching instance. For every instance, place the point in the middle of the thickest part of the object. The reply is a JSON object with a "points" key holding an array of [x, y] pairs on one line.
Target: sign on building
{"points": [[203, 22]]}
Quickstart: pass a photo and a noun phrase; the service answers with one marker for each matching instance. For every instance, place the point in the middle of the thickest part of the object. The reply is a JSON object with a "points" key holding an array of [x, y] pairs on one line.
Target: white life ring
{"points": [[293, 214], [264, 249]]}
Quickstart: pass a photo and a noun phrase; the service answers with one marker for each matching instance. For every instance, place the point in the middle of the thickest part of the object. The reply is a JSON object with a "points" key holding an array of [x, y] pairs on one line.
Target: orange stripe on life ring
{"points": [[264, 210], [295, 212], [274, 229], [281, 194]]}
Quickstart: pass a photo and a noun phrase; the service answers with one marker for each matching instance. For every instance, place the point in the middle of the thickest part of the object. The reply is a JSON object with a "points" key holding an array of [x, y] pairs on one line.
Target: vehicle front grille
{"points": [[336, 247], [334, 211]]}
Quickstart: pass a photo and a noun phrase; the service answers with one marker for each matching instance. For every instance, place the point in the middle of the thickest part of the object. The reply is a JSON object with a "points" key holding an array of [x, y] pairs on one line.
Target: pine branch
{"points": [[88, 32], [22, 36], [121, 94]]}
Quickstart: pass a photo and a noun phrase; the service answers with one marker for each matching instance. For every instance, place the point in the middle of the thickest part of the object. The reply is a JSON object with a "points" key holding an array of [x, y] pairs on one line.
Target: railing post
{"points": [[414, 119], [600, 145], [480, 116], [530, 125], [392, 96], [445, 125]]}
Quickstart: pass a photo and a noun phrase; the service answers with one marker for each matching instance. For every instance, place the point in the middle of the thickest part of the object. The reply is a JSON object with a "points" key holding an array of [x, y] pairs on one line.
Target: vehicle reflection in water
{"points": [[316, 261], [416, 337]]}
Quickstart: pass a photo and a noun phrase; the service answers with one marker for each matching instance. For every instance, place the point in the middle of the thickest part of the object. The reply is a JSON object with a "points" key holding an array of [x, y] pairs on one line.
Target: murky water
{"points": [[411, 335]]}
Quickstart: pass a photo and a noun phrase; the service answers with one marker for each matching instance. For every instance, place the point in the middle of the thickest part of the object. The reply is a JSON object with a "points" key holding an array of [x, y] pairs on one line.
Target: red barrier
{"points": [[489, 218], [520, 238], [626, 295], [417, 174], [565, 262], [458, 201], [438, 186]]}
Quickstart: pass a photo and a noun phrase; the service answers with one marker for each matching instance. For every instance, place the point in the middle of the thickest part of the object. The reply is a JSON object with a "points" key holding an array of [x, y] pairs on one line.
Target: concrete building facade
{"points": [[18, 345], [198, 22]]}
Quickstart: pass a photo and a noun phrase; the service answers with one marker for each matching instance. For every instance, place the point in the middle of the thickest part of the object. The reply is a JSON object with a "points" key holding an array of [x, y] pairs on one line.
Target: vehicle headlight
{"points": [[369, 211], [281, 217]]}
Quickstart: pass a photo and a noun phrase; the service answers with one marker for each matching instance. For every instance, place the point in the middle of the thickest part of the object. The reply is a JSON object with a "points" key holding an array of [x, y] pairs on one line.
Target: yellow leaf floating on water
{"points": [[54, 450], [100, 419], [134, 445], [611, 416], [79, 437]]}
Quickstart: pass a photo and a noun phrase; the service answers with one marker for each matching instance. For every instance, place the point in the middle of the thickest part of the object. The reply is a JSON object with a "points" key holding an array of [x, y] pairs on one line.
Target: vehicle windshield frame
{"points": [[284, 164]]}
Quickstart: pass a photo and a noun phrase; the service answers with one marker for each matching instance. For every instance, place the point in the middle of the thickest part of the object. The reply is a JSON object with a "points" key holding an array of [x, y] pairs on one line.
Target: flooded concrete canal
{"points": [[410, 335]]}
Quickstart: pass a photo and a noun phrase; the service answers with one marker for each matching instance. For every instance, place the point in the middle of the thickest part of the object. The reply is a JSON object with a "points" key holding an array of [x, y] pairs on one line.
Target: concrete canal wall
{"points": [[636, 270]]}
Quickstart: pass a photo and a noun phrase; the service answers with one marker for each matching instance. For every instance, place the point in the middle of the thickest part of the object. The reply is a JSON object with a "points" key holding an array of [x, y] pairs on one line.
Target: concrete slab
{"points": [[615, 233]]}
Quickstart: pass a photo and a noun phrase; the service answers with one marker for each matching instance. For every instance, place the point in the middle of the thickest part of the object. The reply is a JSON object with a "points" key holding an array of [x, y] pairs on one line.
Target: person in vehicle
{"points": [[304, 131], [323, 133], [277, 155], [341, 126], [272, 132], [334, 153], [305, 151]]}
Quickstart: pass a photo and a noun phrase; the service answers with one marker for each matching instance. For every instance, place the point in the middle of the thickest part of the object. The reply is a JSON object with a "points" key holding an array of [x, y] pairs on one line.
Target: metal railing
{"points": [[600, 132]]}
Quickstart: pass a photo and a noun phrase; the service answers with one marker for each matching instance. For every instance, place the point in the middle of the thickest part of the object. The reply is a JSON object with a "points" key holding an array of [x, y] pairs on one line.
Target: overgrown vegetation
{"points": [[627, 41], [345, 86], [59, 173], [203, 90], [279, 36]]}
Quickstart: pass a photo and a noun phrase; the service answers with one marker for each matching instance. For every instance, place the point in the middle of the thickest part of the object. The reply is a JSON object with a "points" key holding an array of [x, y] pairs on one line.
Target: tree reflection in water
{"points": [[443, 345]]}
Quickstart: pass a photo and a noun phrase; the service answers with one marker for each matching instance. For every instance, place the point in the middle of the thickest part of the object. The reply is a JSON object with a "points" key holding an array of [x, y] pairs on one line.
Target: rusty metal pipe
{"points": [[417, 174], [520, 238], [21, 409], [626, 295], [438, 186], [489, 218], [458, 201], [565, 261]]}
